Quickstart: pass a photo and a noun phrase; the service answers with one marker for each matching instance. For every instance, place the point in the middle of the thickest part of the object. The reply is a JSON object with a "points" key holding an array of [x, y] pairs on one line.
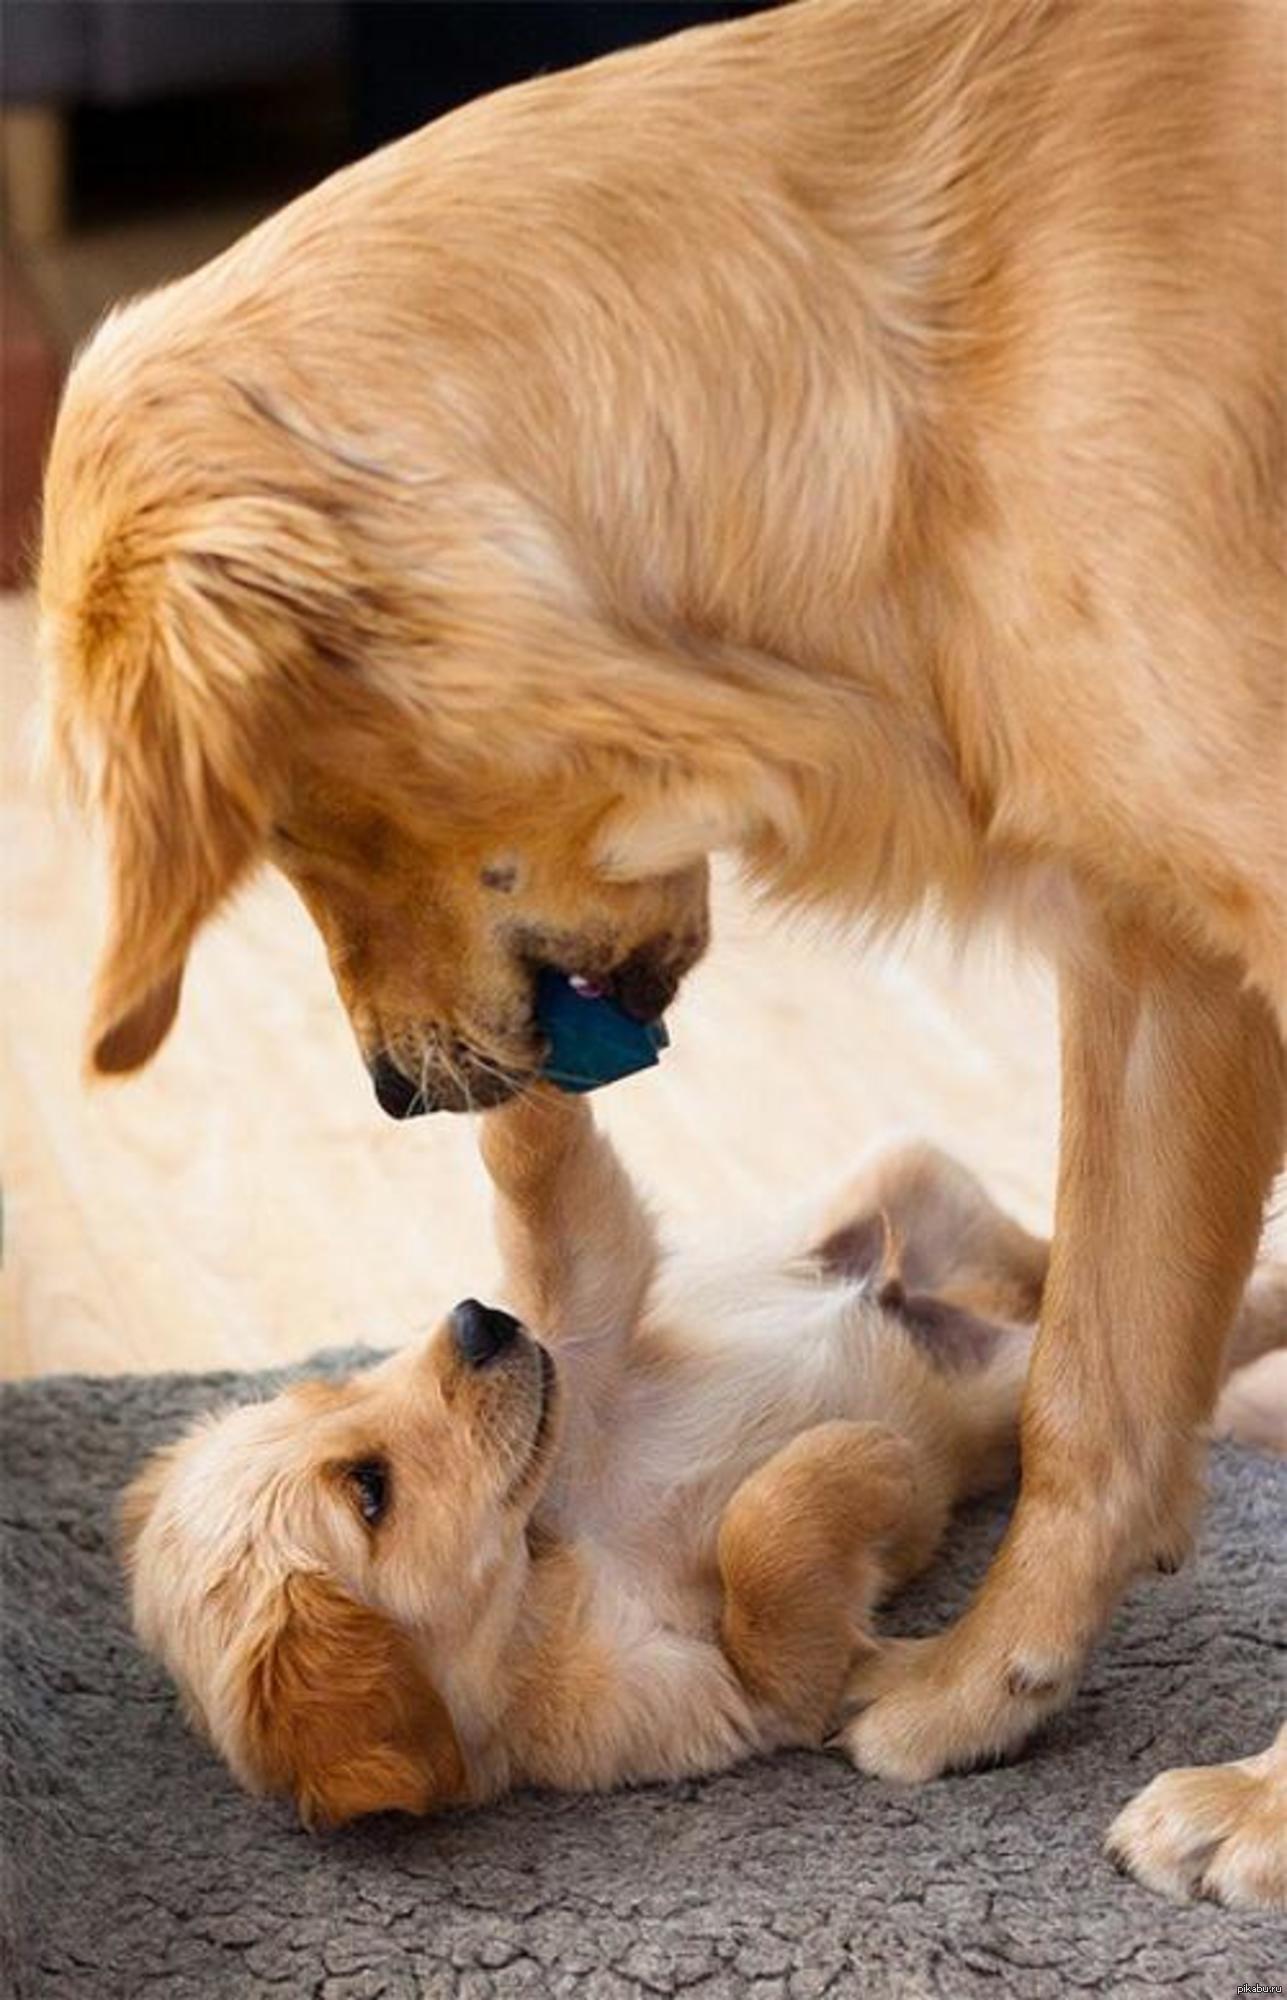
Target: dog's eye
{"points": [[369, 1479], [502, 876]]}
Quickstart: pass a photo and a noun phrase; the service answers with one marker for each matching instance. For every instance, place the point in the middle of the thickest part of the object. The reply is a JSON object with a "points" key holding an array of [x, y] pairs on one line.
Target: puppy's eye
{"points": [[369, 1479]]}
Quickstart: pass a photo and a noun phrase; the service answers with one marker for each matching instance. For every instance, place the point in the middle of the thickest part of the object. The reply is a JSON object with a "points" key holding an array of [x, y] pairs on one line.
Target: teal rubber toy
{"points": [[592, 1040]]}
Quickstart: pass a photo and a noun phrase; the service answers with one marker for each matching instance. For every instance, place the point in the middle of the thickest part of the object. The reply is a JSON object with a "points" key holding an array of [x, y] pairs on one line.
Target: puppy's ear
{"points": [[336, 1711], [178, 668]]}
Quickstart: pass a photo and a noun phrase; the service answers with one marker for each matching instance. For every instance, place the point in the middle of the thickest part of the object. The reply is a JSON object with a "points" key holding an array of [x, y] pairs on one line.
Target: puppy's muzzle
{"points": [[481, 1334], [489, 1342]]}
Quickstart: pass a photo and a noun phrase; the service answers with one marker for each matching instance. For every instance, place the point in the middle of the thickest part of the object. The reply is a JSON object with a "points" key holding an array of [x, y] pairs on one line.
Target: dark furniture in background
{"points": [[413, 61], [68, 63], [30, 373], [157, 103], [63, 55], [410, 61]]}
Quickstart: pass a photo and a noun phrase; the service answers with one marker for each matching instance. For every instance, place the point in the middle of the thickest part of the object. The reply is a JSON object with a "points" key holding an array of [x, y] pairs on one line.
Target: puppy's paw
{"points": [[880, 1667], [893, 1748], [1217, 1831], [936, 1705]]}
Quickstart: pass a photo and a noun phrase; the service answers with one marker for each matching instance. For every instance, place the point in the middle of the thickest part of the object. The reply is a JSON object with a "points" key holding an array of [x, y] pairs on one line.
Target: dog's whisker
{"points": [[422, 1079], [518, 1087]]}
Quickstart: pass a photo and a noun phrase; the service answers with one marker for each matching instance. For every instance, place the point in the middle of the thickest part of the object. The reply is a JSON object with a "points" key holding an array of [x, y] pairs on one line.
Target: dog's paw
{"points": [[1217, 1831], [936, 1705]]}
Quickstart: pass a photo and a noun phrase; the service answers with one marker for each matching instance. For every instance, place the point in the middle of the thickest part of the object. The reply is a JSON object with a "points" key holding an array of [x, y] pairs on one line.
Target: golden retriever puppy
{"points": [[638, 1535], [851, 437]]}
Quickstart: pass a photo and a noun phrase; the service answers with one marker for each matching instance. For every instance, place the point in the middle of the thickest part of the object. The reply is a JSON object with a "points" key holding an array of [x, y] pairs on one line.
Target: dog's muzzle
{"points": [[455, 1077], [468, 1088]]}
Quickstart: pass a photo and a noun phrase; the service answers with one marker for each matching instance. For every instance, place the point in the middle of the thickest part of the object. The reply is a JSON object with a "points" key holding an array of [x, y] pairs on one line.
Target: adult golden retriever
{"points": [[851, 437]]}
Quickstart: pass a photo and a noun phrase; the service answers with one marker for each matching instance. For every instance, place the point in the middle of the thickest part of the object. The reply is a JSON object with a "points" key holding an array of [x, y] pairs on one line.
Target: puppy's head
{"points": [[396, 685], [315, 1570]]}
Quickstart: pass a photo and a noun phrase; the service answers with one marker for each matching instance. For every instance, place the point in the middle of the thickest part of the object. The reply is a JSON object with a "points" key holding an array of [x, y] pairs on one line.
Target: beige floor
{"points": [[244, 1200]]}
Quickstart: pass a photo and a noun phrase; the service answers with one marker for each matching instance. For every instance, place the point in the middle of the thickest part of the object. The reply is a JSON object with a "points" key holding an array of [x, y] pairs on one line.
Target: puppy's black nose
{"points": [[481, 1332], [396, 1093]]}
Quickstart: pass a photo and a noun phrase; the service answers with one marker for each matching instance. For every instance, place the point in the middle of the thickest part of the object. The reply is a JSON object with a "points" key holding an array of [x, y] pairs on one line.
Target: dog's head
{"points": [[397, 686], [314, 1569], [438, 913]]}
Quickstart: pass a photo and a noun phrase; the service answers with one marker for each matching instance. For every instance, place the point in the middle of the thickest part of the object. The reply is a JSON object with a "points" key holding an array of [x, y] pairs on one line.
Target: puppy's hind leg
{"points": [[1253, 1404], [806, 1545], [1260, 1324], [916, 1214]]}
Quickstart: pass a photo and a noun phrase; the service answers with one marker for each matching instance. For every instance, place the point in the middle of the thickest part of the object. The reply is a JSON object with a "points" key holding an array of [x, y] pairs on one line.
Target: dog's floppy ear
{"points": [[179, 837], [336, 1711], [182, 661]]}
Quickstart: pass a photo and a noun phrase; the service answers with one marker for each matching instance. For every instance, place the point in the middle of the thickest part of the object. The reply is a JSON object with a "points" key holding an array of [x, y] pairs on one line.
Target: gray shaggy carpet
{"points": [[135, 1868]]}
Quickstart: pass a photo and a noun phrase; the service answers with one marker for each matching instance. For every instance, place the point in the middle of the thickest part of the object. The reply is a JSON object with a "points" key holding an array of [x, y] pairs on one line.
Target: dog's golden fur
{"points": [[852, 436]]}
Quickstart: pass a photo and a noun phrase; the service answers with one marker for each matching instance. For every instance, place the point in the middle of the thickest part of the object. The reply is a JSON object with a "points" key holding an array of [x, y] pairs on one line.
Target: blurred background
{"points": [[140, 137], [244, 1201]]}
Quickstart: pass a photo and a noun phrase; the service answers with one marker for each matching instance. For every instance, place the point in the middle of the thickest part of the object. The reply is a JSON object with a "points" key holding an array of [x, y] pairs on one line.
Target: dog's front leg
{"points": [[1173, 1079], [1218, 1831]]}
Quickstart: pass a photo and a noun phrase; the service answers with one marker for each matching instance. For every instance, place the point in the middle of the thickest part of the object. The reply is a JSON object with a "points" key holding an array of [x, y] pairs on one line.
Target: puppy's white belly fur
{"points": [[734, 1362], [748, 1365]]}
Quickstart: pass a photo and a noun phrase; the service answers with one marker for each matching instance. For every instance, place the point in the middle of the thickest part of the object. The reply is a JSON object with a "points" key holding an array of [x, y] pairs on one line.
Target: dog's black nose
{"points": [[481, 1332], [396, 1093]]}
